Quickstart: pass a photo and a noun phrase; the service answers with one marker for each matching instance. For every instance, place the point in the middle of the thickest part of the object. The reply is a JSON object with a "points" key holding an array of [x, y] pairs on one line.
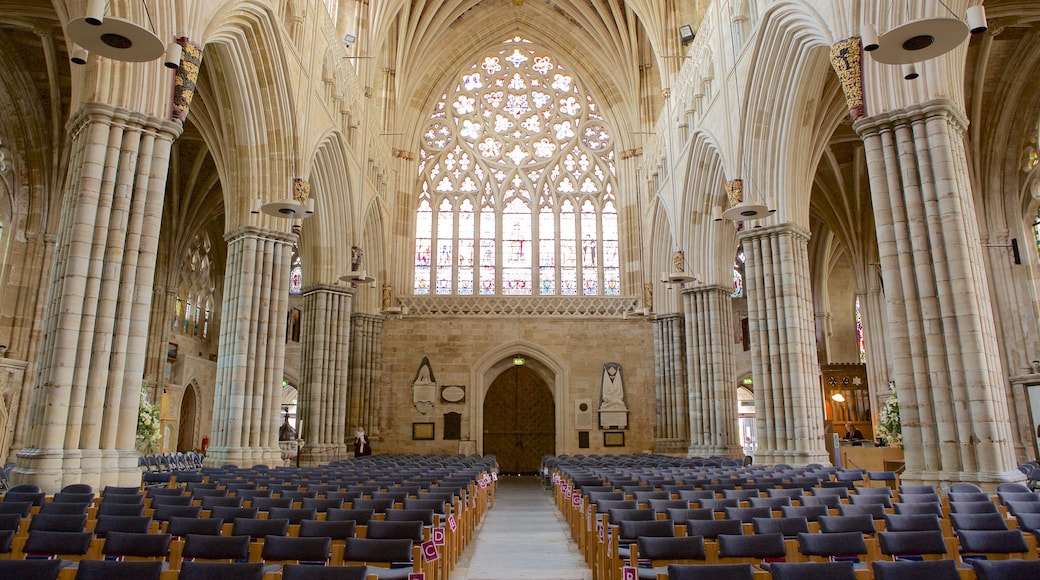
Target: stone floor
{"points": [[522, 538]]}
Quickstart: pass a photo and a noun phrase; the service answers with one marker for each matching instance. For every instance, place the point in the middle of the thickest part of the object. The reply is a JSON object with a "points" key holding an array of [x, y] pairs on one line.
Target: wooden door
{"points": [[519, 420]]}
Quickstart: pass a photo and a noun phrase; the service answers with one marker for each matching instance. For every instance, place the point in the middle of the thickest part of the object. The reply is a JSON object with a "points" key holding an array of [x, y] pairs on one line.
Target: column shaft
{"points": [[325, 358], [784, 364], [251, 358], [366, 367], [672, 432], [83, 415], [945, 363], [710, 371]]}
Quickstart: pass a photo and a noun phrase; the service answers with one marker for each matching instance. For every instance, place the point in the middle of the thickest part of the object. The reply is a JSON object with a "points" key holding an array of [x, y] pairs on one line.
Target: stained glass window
{"points": [[1036, 230], [518, 165], [296, 271], [859, 334], [738, 274]]}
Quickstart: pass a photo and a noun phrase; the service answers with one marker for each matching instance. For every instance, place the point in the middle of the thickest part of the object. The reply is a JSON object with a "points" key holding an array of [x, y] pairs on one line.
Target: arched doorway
{"points": [[519, 420], [186, 433]]}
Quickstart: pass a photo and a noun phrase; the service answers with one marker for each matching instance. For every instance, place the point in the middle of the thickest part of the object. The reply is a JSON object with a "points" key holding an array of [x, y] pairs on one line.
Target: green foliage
{"points": [[890, 428], [147, 426]]}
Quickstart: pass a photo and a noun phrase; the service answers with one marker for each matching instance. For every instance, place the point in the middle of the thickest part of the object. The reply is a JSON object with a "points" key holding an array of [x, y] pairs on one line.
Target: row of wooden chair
{"points": [[598, 539]]}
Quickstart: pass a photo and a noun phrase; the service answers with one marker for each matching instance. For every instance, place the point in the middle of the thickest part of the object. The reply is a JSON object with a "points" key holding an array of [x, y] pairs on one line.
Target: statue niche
{"points": [[424, 388], [613, 411]]}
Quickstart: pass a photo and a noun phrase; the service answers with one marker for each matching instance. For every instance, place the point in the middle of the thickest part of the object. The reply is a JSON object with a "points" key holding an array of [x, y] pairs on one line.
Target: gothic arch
{"points": [[189, 427], [334, 224], [495, 361], [790, 68], [704, 182], [245, 118]]}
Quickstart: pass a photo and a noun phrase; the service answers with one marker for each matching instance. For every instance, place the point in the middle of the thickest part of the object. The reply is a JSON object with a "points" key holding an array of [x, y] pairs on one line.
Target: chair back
{"points": [[321, 528], [137, 545], [712, 529], [35, 569], [257, 528], [710, 571], [758, 546], [307, 549], [912, 543], [828, 545], [223, 571], [383, 529], [863, 524], [812, 571], [790, 527], [309, 572], [911, 522], [983, 521], [128, 524], [360, 516], [915, 570], [203, 547]]}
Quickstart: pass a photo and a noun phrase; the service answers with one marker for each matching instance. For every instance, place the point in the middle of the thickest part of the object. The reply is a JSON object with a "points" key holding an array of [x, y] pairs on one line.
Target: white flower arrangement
{"points": [[147, 426], [890, 428]]}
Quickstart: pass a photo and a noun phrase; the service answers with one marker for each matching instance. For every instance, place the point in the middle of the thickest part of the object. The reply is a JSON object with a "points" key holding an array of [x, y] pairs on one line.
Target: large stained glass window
{"points": [[517, 194]]}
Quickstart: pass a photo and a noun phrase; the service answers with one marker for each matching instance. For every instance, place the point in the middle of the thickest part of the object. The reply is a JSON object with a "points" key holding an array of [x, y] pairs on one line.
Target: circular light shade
{"points": [[357, 276], [117, 39], [678, 278], [285, 208], [745, 211], [920, 40]]}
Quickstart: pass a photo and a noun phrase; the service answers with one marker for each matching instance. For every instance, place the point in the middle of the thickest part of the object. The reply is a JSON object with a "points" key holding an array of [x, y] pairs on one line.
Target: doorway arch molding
{"points": [[497, 360]]}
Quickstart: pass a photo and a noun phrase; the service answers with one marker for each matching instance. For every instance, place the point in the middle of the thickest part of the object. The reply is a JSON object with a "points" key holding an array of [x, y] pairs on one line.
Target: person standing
{"points": [[361, 446]]}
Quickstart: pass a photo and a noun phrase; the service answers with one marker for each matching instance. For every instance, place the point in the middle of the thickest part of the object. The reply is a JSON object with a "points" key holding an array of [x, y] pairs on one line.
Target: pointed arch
{"points": [[788, 73], [242, 111], [499, 358]]}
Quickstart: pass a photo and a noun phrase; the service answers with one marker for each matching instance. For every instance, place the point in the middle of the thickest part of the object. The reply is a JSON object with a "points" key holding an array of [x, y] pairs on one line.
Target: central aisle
{"points": [[522, 538]]}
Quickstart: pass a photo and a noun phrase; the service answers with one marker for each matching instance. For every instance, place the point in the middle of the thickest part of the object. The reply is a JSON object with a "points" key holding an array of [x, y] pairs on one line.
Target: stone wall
{"points": [[472, 351]]}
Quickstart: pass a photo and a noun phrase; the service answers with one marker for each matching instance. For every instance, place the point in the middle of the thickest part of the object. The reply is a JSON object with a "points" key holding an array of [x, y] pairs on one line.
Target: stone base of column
{"points": [[796, 458], [322, 454], [243, 456], [53, 469], [670, 446], [715, 451], [987, 480]]}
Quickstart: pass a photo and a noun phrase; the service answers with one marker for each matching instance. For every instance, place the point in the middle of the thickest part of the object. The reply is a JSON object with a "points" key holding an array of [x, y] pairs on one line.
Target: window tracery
{"points": [[296, 271], [738, 273], [517, 194], [193, 308]]}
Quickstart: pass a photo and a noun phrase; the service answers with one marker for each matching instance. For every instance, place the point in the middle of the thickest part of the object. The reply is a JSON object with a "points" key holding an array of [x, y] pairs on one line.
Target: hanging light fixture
{"points": [[299, 206], [113, 37], [922, 38], [739, 209], [678, 275]]}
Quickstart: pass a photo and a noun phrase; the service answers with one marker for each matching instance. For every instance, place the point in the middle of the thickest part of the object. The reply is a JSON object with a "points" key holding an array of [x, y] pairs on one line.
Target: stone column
{"points": [[875, 338], [944, 355], [672, 432], [83, 416], [325, 372], [710, 371], [251, 358], [366, 370], [784, 364]]}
